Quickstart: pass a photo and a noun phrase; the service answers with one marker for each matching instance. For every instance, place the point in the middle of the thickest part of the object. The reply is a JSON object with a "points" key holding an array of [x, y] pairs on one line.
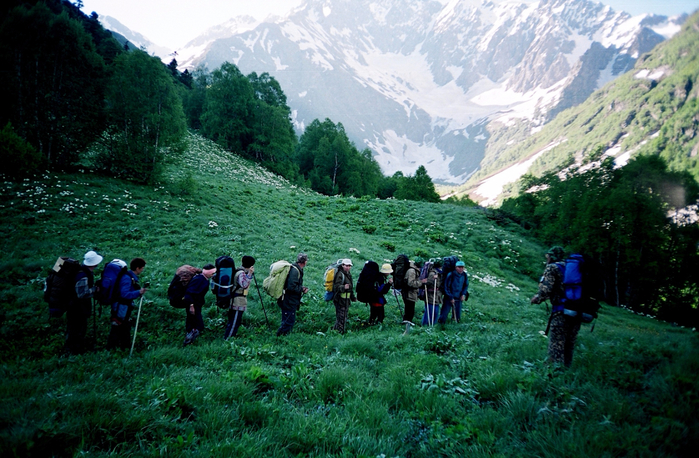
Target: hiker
{"points": [[382, 285], [562, 329], [410, 288], [290, 301], [79, 307], [433, 295], [343, 294], [455, 292], [239, 296], [124, 294], [194, 297]]}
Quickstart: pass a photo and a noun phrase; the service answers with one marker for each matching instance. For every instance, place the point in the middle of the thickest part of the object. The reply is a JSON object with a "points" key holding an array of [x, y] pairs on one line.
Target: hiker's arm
{"points": [[546, 284], [243, 280], [412, 279], [464, 291], [125, 291], [338, 283], [196, 286]]}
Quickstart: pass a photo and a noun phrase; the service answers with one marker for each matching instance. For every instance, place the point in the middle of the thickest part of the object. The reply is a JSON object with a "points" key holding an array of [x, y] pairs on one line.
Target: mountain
{"points": [[431, 83], [139, 41], [652, 109]]}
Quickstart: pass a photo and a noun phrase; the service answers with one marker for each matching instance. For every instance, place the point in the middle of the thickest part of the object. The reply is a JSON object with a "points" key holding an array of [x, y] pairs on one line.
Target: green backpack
{"points": [[275, 282]]}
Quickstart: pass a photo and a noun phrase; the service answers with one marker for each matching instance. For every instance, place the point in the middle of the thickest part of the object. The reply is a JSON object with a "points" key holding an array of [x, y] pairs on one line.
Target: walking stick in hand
{"points": [[138, 316]]}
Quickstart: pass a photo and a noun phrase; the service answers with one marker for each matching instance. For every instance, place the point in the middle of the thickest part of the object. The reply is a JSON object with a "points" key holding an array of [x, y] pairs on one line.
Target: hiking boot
{"points": [[191, 335]]}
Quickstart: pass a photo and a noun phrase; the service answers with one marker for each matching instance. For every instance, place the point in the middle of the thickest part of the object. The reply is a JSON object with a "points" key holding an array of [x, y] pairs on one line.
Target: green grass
{"points": [[478, 388]]}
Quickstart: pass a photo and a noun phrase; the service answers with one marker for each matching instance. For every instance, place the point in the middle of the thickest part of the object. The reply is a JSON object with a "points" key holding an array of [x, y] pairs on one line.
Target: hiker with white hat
{"points": [[80, 306], [343, 289]]}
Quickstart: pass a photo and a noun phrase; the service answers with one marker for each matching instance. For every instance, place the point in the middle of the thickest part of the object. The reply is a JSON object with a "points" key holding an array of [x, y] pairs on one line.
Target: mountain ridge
{"points": [[422, 84]]}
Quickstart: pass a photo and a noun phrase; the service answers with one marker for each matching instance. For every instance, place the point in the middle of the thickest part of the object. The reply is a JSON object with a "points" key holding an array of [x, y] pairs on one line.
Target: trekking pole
{"points": [[138, 316], [400, 312], [261, 301], [94, 323], [434, 301]]}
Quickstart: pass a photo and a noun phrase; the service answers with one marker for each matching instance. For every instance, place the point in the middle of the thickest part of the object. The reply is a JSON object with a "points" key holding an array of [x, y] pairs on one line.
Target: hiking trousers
{"points": [[288, 318], [446, 311], [376, 313], [430, 315], [235, 318], [562, 336], [341, 312], [409, 313]]}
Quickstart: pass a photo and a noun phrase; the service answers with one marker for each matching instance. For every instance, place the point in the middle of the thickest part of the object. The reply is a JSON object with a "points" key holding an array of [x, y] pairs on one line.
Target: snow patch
{"points": [[492, 187]]}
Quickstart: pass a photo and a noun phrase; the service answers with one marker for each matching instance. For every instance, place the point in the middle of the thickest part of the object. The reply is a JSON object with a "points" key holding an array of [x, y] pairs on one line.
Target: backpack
{"points": [[224, 280], [578, 288], [448, 266], [329, 278], [400, 270], [423, 274], [178, 285], [365, 283], [276, 281], [109, 283], [59, 288]]}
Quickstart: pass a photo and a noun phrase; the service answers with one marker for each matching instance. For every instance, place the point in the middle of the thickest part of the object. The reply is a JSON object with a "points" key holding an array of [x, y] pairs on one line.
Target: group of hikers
{"points": [[442, 284]]}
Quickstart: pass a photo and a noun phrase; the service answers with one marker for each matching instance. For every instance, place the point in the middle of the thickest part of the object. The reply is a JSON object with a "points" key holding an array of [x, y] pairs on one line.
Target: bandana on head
{"points": [[209, 272]]}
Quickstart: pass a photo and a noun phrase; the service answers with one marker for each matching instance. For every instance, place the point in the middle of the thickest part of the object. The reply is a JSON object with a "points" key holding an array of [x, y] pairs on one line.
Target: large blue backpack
{"points": [[109, 283], [577, 300]]}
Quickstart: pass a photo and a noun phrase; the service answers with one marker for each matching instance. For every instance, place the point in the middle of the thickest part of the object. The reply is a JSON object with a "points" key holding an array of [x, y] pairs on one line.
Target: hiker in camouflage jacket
{"points": [[562, 329]]}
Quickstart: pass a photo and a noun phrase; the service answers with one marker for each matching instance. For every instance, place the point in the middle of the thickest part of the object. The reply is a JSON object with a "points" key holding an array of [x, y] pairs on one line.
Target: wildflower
{"points": [[213, 224], [354, 250]]}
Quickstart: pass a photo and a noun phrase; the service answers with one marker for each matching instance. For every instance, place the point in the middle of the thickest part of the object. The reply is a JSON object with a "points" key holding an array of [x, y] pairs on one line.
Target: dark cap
{"points": [[248, 261]]}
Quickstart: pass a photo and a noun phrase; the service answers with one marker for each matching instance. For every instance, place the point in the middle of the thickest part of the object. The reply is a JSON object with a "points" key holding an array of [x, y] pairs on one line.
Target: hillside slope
{"points": [[477, 388], [650, 110]]}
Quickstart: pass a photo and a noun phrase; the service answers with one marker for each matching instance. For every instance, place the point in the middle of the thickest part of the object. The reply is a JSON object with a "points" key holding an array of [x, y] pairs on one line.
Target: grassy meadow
{"points": [[478, 388]]}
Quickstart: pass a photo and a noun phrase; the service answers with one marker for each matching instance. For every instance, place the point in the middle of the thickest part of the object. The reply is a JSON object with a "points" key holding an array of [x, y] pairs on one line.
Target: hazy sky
{"points": [[173, 23]]}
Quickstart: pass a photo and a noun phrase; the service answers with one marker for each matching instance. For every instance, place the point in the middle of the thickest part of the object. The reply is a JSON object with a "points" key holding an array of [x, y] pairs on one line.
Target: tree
{"points": [[620, 216], [273, 136], [52, 91], [145, 117], [226, 115], [417, 187], [326, 157]]}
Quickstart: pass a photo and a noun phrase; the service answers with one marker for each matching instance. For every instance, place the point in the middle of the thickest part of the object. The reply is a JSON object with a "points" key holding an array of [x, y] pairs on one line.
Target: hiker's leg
{"points": [[457, 310], [409, 310], [380, 314], [557, 339], [572, 326], [446, 310]]}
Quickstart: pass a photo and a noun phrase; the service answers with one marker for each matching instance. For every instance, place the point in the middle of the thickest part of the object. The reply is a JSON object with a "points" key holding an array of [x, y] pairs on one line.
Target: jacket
{"points": [[456, 285], [128, 291], [340, 295], [433, 295], [293, 288], [412, 283], [196, 290]]}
